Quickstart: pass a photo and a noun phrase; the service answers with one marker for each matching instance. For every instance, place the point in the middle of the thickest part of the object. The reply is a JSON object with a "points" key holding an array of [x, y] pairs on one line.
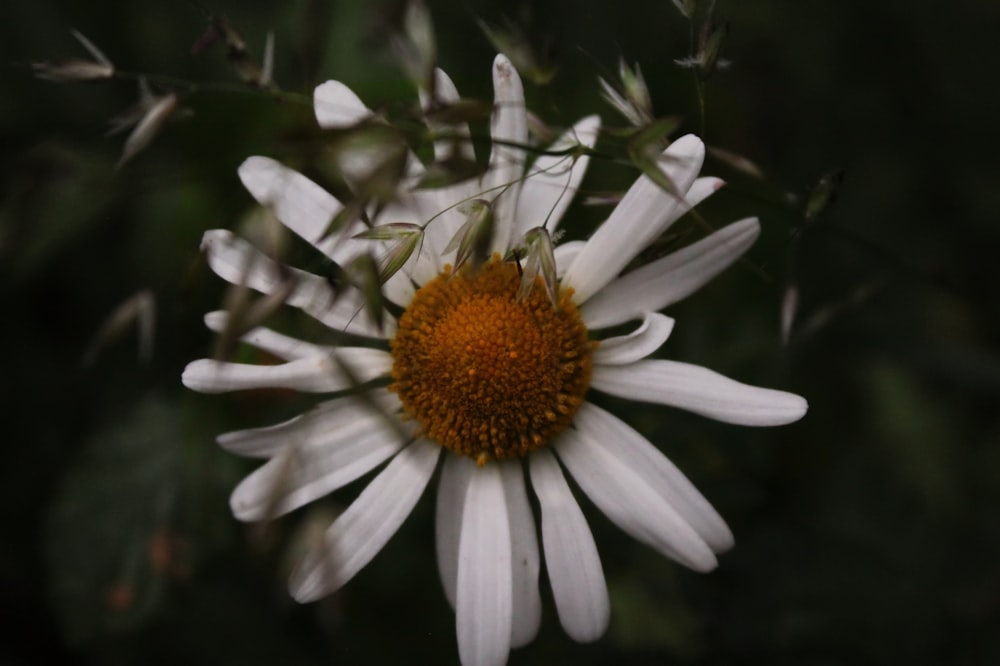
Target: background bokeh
{"points": [[866, 534]]}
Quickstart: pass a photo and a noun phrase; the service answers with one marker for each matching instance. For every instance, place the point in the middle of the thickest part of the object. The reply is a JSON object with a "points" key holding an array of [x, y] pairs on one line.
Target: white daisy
{"points": [[489, 382]]}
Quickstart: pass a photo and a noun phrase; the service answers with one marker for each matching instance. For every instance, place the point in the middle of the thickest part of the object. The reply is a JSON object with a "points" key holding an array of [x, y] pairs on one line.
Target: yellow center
{"points": [[485, 374]]}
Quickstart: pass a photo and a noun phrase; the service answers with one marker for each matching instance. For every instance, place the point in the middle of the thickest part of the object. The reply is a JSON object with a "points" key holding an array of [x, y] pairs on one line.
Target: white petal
{"points": [[365, 527], [509, 126], [306, 429], [571, 558], [307, 209], [527, 600], [265, 339], [316, 374], [702, 188], [484, 604], [299, 203], [323, 452], [668, 280], [446, 93], [455, 474], [337, 106], [638, 344], [552, 180], [699, 390], [238, 262], [629, 501], [635, 452], [565, 254], [643, 214], [440, 203]]}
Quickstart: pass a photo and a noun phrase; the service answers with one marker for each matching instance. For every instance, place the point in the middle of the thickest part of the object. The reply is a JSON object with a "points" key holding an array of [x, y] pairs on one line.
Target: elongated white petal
{"points": [[668, 280], [644, 213], [509, 129], [298, 203], [699, 390], [321, 453], [310, 429], [527, 600], [455, 474], [571, 558], [367, 524], [629, 501], [638, 344], [633, 451], [307, 209], [238, 262], [565, 254], [337, 106], [484, 597], [552, 180], [282, 346], [316, 374], [446, 93], [702, 188]]}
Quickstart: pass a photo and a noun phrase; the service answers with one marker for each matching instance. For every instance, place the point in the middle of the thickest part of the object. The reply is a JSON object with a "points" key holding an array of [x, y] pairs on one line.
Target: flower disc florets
{"points": [[487, 374]]}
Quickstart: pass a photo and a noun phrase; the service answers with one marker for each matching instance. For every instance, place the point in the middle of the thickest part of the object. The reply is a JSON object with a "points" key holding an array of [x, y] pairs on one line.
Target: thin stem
{"points": [[191, 88]]}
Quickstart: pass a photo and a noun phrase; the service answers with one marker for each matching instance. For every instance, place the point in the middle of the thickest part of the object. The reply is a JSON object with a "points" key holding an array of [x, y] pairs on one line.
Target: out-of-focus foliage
{"points": [[119, 531], [866, 534]]}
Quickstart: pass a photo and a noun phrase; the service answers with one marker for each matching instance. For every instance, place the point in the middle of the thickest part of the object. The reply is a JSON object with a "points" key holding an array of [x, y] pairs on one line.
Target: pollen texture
{"points": [[485, 374]]}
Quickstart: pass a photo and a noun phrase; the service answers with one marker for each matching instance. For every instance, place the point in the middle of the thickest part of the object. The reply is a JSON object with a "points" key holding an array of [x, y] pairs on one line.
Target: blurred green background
{"points": [[866, 534]]}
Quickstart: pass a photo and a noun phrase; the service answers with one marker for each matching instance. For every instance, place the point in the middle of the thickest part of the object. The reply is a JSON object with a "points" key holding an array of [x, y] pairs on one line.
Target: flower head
{"points": [[487, 377]]}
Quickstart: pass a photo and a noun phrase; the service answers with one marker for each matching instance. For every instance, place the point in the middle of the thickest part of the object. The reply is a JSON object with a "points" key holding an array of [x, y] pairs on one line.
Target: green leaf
{"points": [[397, 255], [473, 238], [390, 232], [537, 250], [365, 272]]}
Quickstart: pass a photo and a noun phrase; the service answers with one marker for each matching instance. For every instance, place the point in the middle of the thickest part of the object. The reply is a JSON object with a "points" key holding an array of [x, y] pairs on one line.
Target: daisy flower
{"points": [[488, 380]]}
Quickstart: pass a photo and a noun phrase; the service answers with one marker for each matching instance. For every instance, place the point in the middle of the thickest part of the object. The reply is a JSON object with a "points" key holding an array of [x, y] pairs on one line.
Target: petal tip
{"points": [[337, 106], [501, 61], [787, 408], [216, 320], [242, 509], [506, 80], [587, 129], [193, 376], [722, 541], [213, 236], [299, 588], [689, 152], [800, 407], [254, 173], [704, 565]]}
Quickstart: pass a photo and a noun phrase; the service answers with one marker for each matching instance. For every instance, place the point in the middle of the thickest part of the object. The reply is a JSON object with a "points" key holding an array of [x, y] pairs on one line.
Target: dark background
{"points": [[866, 534]]}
